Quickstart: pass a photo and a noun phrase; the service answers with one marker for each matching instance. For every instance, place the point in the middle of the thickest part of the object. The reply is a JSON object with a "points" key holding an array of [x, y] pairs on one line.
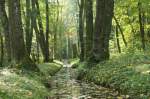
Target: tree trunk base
{"points": [[29, 65]]}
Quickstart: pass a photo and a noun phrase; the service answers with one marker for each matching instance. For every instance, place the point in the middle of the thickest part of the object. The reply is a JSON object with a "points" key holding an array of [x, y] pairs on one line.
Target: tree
{"points": [[38, 27], [141, 23], [19, 53], [81, 30], [1, 47], [29, 26], [89, 26], [47, 32], [118, 42], [103, 23], [119, 27], [5, 24]]}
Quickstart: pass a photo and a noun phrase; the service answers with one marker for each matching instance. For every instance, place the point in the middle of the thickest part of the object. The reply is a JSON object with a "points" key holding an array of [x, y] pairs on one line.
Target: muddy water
{"points": [[65, 86]]}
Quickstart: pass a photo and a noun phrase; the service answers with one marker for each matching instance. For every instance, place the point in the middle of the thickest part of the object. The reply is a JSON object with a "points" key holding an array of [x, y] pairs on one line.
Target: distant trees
{"points": [[26, 28], [132, 17], [19, 46], [44, 31]]}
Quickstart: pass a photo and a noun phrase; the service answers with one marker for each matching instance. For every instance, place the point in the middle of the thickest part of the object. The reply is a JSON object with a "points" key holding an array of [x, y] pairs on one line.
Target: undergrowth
{"points": [[127, 73], [17, 85]]}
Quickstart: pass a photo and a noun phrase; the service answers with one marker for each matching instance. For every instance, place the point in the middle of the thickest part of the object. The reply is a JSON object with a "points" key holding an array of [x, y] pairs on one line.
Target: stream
{"points": [[65, 86]]}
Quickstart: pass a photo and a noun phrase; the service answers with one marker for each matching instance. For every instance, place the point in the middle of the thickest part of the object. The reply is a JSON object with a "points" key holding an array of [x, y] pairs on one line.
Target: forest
{"points": [[74, 49]]}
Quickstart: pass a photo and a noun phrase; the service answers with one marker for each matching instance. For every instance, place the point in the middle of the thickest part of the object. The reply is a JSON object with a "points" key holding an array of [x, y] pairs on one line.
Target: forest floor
{"points": [[127, 73], [65, 86], [15, 84]]}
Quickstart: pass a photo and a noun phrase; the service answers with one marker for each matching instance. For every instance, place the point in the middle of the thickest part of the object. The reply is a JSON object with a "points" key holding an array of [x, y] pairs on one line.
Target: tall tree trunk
{"points": [[19, 53], [38, 27], [89, 26], [47, 32], [81, 30], [17, 41], [141, 23], [43, 38], [29, 27], [5, 24], [56, 54], [103, 23]]}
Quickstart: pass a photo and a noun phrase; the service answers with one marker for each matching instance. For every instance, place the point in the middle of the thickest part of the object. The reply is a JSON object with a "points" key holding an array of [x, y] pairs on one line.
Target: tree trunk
{"points": [[81, 30], [119, 27], [55, 49], [5, 24], [47, 32], [103, 23], [19, 53], [141, 23], [118, 42], [38, 27], [75, 50], [89, 26], [29, 27], [2, 50]]}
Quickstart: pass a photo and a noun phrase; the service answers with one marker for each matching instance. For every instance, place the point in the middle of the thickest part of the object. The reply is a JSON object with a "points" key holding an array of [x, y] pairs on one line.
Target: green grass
{"points": [[17, 85], [126, 73]]}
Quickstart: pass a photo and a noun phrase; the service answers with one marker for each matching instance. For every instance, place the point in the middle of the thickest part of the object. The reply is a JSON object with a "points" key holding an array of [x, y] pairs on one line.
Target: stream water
{"points": [[65, 86]]}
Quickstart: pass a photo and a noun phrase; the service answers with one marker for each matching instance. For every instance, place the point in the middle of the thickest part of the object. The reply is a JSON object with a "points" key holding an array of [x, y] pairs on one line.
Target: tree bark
{"points": [[19, 53], [141, 23], [47, 32], [29, 27], [81, 30], [2, 50], [5, 24], [118, 42], [38, 27], [89, 27], [103, 23]]}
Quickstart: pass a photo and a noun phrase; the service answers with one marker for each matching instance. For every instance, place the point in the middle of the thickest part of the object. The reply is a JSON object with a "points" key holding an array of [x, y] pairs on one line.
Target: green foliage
{"points": [[20, 87], [49, 68], [127, 14], [121, 73], [16, 85]]}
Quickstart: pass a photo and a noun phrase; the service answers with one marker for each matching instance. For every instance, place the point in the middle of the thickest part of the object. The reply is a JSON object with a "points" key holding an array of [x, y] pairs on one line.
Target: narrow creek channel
{"points": [[65, 86]]}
